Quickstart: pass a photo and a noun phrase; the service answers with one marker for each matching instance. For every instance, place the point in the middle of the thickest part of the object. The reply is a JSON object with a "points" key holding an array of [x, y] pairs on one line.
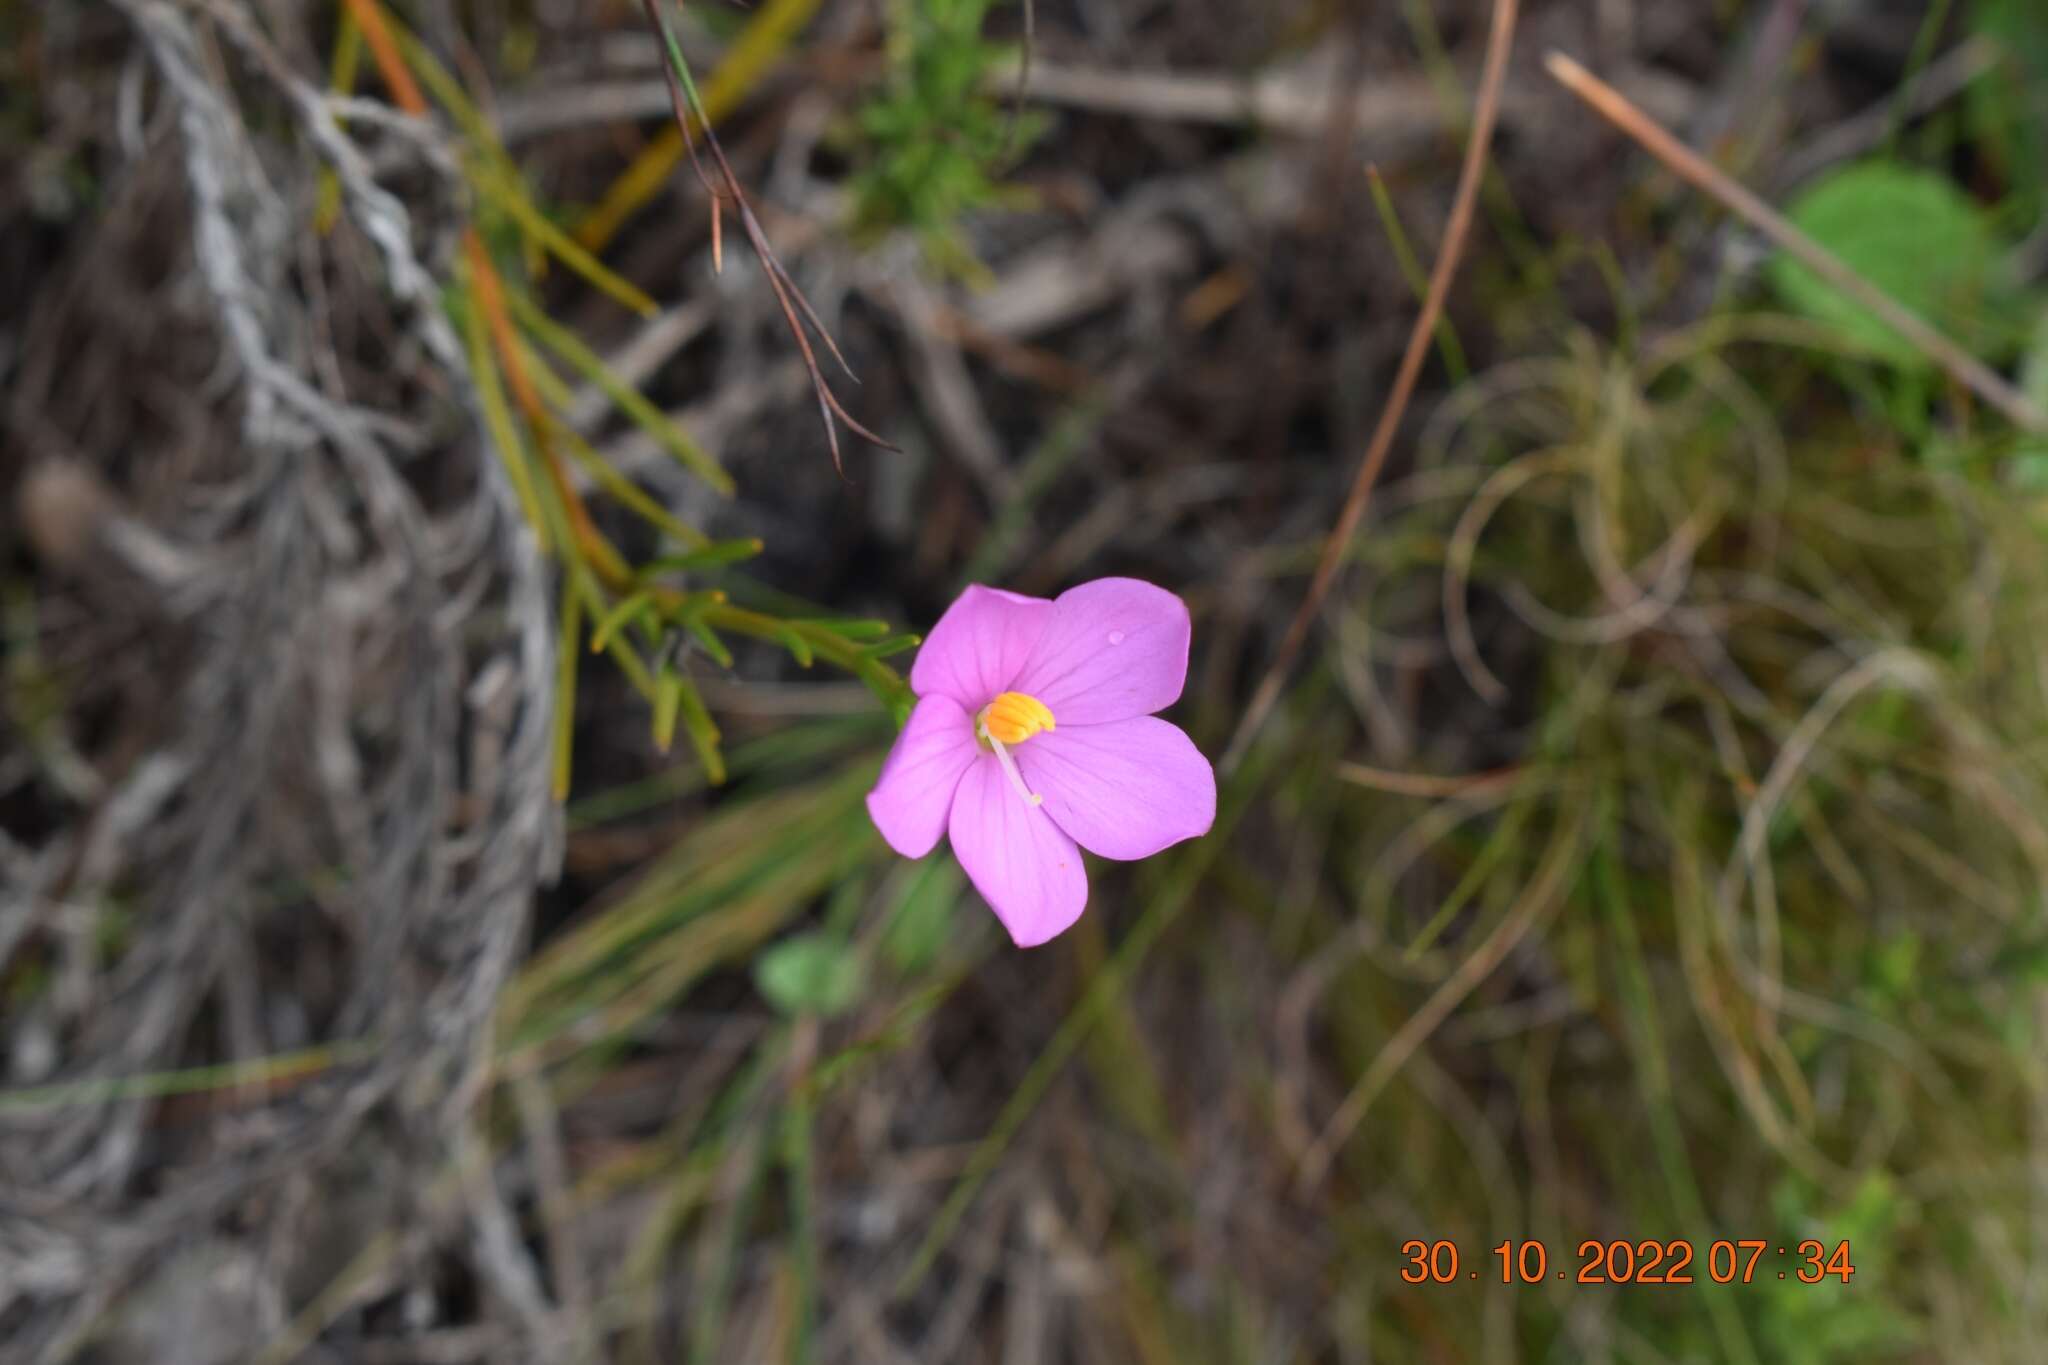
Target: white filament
{"points": [[1002, 753]]}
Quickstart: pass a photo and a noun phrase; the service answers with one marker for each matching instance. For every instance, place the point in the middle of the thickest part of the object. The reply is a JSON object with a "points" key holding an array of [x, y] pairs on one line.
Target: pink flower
{"points": [[1034, 733]]}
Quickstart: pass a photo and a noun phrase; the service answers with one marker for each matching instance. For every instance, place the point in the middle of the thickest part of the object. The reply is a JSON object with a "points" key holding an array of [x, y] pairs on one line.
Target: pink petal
{"points": [[1124, 790], [979, 645], [1113, 649], [910, 803], [1028, 872]]}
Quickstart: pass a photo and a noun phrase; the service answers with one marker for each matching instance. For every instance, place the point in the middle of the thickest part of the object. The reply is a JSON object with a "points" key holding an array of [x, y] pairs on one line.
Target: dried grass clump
{"points": [[1741, 935], [297, 783]]}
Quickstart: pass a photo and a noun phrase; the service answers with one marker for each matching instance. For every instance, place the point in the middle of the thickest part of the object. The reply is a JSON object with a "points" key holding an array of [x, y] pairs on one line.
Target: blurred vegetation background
{"points": [[419, 417]]}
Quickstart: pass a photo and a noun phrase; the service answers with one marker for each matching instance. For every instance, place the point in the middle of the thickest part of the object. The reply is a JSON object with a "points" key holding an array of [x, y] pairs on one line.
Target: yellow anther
{"points": [[1014, 717]]}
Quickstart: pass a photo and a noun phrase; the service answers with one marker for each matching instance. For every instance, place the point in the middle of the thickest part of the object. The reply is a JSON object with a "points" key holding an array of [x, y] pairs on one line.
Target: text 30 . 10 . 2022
{"points": [[1649, 1262]]}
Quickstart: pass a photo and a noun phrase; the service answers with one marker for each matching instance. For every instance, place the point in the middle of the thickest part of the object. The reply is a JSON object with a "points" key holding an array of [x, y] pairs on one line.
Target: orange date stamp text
{"points": [[1648, 1262]]}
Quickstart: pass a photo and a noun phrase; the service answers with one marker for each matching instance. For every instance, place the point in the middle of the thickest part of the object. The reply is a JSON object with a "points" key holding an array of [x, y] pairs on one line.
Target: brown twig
{"points": [[1703, 175], [1542, 896], [1425, 784], [790, 298], [1485, 114]]}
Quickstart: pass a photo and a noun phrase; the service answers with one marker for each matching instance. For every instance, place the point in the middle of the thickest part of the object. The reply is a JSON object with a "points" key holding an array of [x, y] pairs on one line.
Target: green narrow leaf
{"points": [[553, 389], [703, 733], [887, 685], [799, 648], [668, 701], [622, 489], [565, 688], [627, 610], [707, 637], [586, 362], [628, 494], [682, 68], [510, 197], [852, 629], [617, 647], [490, 395], [715, 555], [895, 644]]}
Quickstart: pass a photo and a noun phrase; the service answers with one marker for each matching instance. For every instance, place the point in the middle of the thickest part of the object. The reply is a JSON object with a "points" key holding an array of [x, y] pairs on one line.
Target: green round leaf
{"points": [[809, 974], [1915, 236]]}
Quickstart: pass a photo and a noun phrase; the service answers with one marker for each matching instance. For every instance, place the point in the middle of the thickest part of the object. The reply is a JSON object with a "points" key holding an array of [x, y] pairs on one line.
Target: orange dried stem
{"points": [[490, 299], [369, 17]]}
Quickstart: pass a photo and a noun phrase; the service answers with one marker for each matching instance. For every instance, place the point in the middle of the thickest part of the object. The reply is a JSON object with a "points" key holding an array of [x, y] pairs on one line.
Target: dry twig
{"points": [[1498, 43], [1688, 165]]}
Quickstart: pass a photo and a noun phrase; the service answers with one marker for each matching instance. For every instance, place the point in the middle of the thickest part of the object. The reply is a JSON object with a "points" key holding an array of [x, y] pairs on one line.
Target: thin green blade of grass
{"points": [[800, 1175], [757, 1159], [446, 89], [1068, 438], [694, 1150], [1160, 913], [602, 1014], [862, 1056], [736, 852], [1652, 1066], [256, 1071], [1117, 1055], [1418, 279], [1505, 838]]}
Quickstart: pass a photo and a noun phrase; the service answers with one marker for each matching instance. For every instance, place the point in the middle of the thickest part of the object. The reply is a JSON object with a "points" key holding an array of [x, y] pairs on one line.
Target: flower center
{"points": [[1015, 717], [1010, 719]]}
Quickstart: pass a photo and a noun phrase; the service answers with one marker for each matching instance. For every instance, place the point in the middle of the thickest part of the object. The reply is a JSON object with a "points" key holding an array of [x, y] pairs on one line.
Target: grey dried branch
{"points": [[331, 717]]}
